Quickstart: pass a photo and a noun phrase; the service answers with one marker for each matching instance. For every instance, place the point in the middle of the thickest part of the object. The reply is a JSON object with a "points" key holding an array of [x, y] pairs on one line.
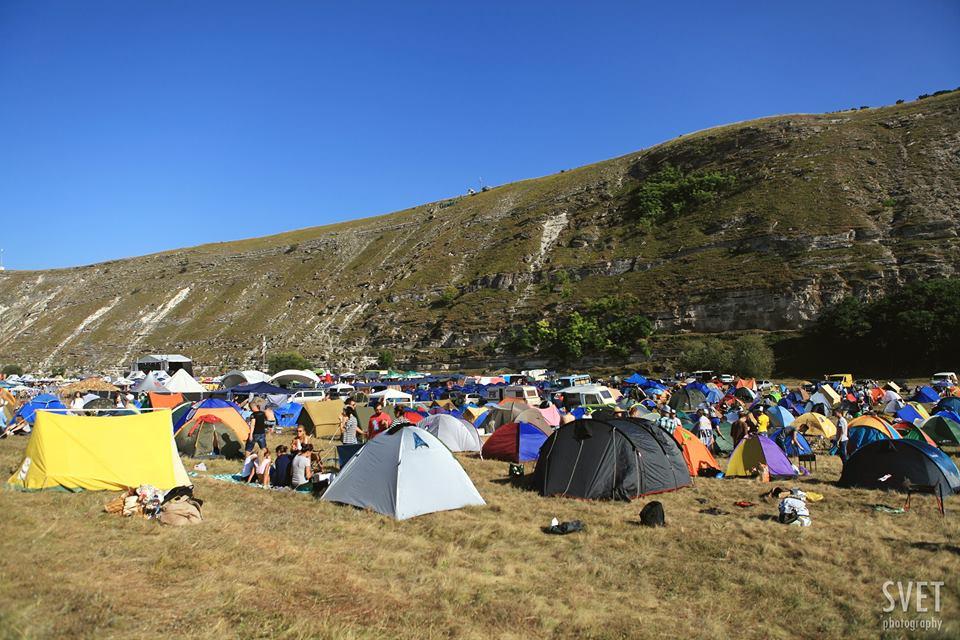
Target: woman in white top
{"points": [[249, 467], [262, 467], [77, 404]]}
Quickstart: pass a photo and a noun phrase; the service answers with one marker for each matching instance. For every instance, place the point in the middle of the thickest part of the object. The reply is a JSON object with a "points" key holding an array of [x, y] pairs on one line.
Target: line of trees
{"points": [[748, 356]]}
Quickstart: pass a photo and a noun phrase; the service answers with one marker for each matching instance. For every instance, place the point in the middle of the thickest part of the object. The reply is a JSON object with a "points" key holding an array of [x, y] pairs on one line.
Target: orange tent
{"points": [[165, 400], [873, 422], [698, 457], [749, 383]]}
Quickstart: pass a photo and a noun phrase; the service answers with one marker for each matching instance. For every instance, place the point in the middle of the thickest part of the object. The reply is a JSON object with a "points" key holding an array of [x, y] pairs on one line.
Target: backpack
{"points": [[652, 515]]}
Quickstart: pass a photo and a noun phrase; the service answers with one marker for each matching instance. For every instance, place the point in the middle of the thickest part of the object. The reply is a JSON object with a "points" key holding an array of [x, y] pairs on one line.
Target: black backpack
{"points": [[652, 515]]}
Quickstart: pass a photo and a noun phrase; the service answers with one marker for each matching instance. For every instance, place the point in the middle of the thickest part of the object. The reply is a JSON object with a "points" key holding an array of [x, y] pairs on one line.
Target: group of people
{"points": [[296, 465]]}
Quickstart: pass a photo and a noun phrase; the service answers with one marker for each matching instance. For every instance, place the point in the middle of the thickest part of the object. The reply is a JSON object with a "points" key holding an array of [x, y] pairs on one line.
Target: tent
{"points": [[287, 414], [895, 464], [860, 436], [873, 422], [687, 399], [165, 400], [615, 459], [391, 396], [700, 462], [235, 378], [943, 431], [636, 379], [755, 450], [321, 418], [515, 442], [456, 433], [183, 382], [43, 401], [550, 414], [723, 443], [255, 389], [474, 414], [226, 416], [927, 395], [948, 404], [295, 376], [802, 448], [153, 381], [913, 432], [779, 417], [814, 424], [81, 452], [506, 413], [180, 414], [209, 434], [402, 473], [909, 413]]}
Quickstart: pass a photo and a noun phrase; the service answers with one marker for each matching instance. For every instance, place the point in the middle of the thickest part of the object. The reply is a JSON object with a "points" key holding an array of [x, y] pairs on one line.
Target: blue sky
{"points": [[133, 127]]}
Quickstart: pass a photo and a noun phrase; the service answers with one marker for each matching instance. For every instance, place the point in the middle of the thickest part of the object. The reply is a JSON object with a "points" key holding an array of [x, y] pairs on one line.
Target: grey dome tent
{"points": [[402, 473], [687, 400], [616, 459]]}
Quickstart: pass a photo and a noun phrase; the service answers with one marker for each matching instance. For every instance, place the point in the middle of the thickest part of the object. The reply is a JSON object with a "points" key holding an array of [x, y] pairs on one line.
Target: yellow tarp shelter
{"points": [[109, 453]]}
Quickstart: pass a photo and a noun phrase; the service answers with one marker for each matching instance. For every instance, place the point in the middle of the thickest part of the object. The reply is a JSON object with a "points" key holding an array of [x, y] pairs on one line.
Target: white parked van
{"points": [[588, 395]]}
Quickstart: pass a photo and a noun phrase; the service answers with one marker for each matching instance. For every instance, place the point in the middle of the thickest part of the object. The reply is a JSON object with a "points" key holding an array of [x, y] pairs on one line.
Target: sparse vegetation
{"points": [[386, 359]]}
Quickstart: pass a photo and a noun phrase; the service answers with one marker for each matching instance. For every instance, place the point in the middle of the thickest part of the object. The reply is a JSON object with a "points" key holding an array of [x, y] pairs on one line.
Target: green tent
{"points": [[723, 443], [942, 430]]}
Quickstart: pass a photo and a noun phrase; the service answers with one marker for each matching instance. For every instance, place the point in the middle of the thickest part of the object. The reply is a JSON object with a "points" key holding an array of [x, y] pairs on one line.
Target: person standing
{"points": [[349, 426], [704, 429], [258, 424], [378, 423], [76, 406], [842, 434], [665, 422]]}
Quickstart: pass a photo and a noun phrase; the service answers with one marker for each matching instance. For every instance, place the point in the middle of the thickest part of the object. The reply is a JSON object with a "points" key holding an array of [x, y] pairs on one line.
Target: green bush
{"points": [[12, 370], [711, 354], [386, 359], [752, 357], [671, 192], [277, 362]]}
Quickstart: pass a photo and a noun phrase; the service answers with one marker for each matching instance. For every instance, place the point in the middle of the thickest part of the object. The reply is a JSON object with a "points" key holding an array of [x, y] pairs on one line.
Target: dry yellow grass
{"points": [[279, 565]]}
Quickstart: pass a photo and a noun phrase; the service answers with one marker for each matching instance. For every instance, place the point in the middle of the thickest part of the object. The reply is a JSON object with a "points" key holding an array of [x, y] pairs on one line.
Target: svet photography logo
{"points": [[911, 605]]}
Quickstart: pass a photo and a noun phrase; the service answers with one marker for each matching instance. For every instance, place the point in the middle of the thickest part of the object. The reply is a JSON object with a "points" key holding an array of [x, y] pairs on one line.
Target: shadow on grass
{"points": [[923, 545]]}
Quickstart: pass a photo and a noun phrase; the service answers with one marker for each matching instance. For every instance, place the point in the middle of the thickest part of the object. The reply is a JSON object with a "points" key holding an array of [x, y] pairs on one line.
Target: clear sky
{"points": [[131, 127]]}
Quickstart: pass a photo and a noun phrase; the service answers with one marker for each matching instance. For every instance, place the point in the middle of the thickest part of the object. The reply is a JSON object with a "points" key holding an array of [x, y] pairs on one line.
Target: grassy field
{"points": [[279, 565]]}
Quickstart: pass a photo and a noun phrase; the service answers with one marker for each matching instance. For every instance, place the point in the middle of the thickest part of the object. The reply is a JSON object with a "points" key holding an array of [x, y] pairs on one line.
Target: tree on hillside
{"points": [[277, 362], [711, 354], [752, 357], [12, 370]]}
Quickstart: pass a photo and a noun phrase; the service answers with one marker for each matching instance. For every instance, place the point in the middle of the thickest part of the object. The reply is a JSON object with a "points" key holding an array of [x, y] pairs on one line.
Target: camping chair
{"points": [[810, 460], [928, 489]]}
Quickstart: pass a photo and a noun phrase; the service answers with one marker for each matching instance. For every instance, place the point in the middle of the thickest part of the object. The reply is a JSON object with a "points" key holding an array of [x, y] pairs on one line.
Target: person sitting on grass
{"points": [[249, 466], [300, 469], [260, 473], [793, 509], [280, 474], [299, 440], [17, 427]]}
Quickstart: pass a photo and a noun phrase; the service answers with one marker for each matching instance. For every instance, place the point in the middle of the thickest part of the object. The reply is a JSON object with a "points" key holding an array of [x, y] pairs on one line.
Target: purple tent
{"points": [[753, 451]]}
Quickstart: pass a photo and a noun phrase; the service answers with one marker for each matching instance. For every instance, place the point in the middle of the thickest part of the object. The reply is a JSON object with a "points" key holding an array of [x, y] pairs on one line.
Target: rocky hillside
{"points": [[757, 225]]}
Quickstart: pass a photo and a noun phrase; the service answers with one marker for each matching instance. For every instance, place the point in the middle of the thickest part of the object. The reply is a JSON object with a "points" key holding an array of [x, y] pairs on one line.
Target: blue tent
{"points": [[909, 414], [860, 436], [926, 395], [288, 414], [790, 406], [802, 447], [713, 395], [656, 386], [779, 417], [699, 386], [950, 415], [42, 401], [949, 404], [636, 379]]}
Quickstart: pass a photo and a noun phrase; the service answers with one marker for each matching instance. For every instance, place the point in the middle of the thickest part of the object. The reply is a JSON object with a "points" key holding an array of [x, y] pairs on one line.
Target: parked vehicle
{"points": [[948, 378], [590, 396]]}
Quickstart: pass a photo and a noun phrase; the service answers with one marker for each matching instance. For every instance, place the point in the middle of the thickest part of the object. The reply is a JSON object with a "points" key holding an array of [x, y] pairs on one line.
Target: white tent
{"points": [[236, 378], [456, 433], [153, 381], [183, 382], [403, 473], [392, 396], [295, 375]]}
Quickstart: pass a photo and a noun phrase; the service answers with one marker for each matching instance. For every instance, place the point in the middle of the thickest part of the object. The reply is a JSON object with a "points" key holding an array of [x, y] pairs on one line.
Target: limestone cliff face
{"points": [[825, 206]]}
